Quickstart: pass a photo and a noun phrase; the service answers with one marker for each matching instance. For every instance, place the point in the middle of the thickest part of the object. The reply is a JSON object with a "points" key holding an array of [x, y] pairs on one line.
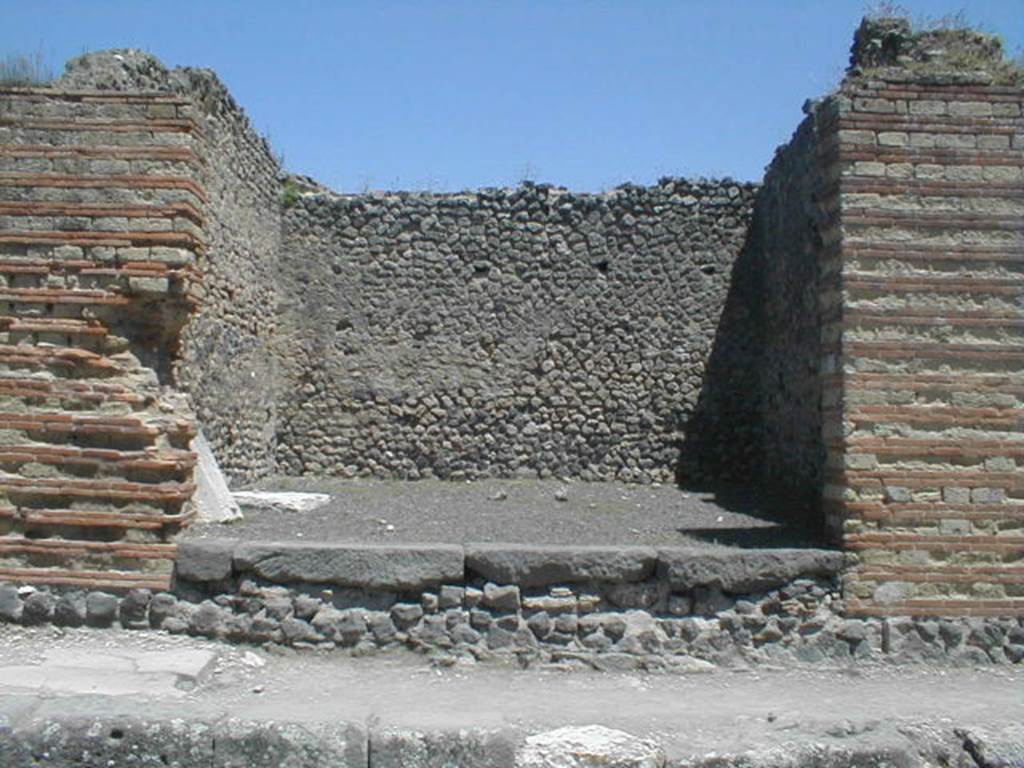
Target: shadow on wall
{"points": [[720, 447], [755, 435]]}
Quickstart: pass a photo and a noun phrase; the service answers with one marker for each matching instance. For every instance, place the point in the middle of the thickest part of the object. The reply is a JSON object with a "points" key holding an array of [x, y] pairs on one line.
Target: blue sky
{"points": [[449, 95]]}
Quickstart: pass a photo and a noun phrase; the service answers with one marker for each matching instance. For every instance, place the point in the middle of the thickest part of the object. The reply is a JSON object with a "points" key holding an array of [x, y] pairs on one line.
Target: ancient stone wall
{"points": [[922, 291], [100, 223], [757, 422], [501, 332], [791, 454], [853, 325], [225, 361], [610, 608], [130, 196]]}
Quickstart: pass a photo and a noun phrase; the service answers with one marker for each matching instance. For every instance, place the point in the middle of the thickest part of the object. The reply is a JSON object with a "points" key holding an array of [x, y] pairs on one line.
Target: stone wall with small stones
{"points": [[226, 361], [791, 455], [757, 421], [603, 627], [504, 332]]}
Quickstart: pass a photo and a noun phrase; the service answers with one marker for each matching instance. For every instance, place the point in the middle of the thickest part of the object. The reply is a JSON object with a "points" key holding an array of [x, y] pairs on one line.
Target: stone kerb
{"points": [[541, 566], [746, 571], [408, 568], [368, 566]]}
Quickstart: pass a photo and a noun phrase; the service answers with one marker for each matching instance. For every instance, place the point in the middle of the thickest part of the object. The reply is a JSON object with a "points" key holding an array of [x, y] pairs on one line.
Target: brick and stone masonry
{"points": [[922, 310], [101, 221], [138, 220], [848, 332]]}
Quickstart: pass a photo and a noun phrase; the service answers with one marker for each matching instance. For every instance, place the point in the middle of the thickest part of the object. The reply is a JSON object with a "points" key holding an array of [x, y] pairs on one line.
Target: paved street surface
{"points": [[49, 673]]}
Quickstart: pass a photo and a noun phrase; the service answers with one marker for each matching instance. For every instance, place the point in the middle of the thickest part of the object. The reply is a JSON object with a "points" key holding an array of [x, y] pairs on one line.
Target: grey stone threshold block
{"points": [[367, 566], [745, 571], [417, 567], [205, 559], [539, 566]]}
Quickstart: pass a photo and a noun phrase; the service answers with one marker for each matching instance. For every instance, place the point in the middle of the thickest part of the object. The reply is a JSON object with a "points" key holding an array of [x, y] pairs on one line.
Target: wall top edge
{"points": [[891, 48], [669, 187], [75, 94], [894, 78]]}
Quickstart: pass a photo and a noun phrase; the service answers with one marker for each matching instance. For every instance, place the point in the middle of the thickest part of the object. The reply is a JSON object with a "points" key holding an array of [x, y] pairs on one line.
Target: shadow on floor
{"points": [[783, 522]]}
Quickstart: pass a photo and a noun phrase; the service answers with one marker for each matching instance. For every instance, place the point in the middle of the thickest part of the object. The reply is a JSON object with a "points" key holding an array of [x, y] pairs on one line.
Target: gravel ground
{"points": [[519, 511]]}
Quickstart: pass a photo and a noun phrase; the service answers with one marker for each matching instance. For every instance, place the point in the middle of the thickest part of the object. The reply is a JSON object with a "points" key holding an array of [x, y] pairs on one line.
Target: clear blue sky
{"points": [[432, 94]]}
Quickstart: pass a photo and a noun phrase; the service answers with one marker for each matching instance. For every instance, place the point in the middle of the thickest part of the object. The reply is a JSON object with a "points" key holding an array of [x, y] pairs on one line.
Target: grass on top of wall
{"points": [[21, 69]]}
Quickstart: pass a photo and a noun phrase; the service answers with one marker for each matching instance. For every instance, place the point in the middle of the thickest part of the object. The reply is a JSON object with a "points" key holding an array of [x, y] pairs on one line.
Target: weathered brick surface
{"points": [[923, 334], [109, 243], [101, 219]]}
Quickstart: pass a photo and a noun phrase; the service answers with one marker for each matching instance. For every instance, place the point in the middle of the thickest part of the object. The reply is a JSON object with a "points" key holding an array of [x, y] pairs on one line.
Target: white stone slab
{"points": [[279, 501], [213, 500]]}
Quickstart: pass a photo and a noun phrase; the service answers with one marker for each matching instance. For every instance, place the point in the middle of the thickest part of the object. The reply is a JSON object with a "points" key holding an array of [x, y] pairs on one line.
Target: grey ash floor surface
{"points": [[519, 511]]}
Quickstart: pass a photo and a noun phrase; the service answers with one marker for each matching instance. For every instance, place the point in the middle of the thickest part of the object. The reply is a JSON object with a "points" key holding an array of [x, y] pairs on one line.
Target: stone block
{"points": [[369, 566], [927, 107], [208, 620], [204, 559], [537, 566], [133, 609], [382, 627], [38, 608], [501, 598], [893, 139], [450, 597], [745, 571], [69, 610], [405, 615], [10, 604], [161, 607], [970, 109], [279, 502], [100, 609]]}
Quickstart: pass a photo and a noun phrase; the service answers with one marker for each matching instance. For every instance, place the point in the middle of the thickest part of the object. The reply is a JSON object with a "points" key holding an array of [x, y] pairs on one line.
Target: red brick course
{"points": [[76, 284], [925, 435]]}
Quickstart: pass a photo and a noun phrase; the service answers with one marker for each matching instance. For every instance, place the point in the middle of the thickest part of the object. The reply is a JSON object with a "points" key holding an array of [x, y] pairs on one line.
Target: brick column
{"points": [[101, 218], [922, 304]]}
